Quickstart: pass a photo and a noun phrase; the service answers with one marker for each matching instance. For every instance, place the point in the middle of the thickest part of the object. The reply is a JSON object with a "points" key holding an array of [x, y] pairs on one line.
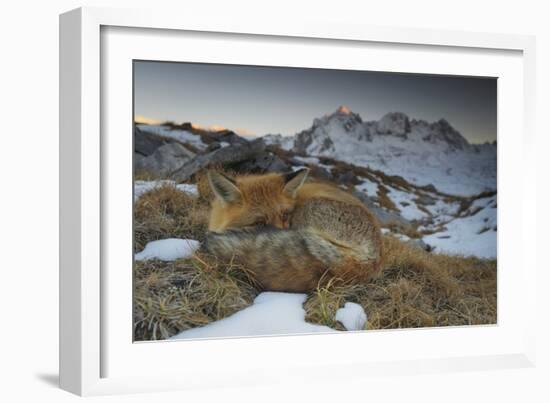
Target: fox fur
{"points": [[292, 233]]}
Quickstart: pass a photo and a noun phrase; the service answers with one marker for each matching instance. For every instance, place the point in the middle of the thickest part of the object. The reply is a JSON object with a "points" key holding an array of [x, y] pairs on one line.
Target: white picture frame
{"points": [[97, 357]]}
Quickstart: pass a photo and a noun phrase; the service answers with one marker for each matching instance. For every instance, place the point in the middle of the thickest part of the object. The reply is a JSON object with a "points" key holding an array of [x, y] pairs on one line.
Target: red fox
{"points": [[291, 233]]}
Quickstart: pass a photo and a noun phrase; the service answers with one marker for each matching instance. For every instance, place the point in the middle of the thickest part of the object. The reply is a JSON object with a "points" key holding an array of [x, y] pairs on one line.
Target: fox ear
{"points": [[223, 187], [294, 181]]}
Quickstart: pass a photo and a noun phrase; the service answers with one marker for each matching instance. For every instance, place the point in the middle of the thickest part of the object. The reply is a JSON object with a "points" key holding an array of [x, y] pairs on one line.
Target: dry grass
{"points": [[408, 230], [165, 212], [416, 289], [383, 199], [173, 296], [146, 176]]}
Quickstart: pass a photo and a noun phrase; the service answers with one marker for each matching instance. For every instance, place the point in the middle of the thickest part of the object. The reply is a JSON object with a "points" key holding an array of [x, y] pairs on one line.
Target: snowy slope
{"points": [[472, 233], [448, 224], [183, 136], [423, 153], [444, 226]]}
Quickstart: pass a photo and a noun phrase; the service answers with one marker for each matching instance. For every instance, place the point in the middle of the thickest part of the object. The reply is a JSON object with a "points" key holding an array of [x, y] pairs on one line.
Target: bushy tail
{"points": [[281, 259]]}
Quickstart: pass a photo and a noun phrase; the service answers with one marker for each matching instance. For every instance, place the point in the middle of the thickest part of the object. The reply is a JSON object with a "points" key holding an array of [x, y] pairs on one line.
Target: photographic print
{"points": [[278, 200]]}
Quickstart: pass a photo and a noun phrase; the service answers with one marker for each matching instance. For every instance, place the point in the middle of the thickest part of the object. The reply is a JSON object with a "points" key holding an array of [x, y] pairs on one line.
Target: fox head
{"points": [[254, 200]]}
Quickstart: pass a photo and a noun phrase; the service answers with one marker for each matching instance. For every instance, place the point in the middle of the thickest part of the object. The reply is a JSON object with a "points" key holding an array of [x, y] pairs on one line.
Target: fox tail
{"points": [[292, 260]]}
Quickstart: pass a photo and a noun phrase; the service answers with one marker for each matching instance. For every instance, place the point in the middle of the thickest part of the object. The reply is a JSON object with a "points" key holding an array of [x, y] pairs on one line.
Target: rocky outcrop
{"points": [[385, 217], [316, 137], [264, 162], [226, 157], [394, 123], [146, 143], [442, 131], [163, 160], [344, 128], [223, 136]]}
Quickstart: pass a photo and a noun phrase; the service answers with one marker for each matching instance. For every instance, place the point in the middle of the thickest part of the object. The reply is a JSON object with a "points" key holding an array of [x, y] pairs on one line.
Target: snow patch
{"points": [[308, 160], [272, 313], [352, 316], [371, 188], [140, 187], [168, 249], [443, 209], [405, 203], [188, 188], [183, 136], [475, 234]]}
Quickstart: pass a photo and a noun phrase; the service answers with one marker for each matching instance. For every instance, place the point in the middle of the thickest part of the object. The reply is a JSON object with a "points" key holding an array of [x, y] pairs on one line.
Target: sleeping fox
{"points": [[291, 233]]}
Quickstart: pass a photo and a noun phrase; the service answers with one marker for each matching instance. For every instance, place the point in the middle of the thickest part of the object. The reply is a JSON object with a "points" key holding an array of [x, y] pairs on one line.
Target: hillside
{"points": [[425, 182]]}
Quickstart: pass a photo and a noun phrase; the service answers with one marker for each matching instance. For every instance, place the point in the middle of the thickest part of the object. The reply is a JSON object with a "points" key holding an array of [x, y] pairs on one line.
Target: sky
{"points": [[258, 100]]}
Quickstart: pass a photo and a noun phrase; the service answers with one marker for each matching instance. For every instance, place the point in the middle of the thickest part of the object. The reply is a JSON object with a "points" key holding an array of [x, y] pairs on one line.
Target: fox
{"points": [[290, 232]]}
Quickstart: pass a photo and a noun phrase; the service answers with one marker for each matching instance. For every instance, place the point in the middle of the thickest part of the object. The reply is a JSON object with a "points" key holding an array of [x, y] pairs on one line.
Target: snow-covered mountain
{"points": [[421, 152]]}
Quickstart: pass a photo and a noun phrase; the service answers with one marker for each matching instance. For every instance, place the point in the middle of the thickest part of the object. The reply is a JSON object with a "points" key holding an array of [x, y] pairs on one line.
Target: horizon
{"points": [[138, 119], [213, 97]]}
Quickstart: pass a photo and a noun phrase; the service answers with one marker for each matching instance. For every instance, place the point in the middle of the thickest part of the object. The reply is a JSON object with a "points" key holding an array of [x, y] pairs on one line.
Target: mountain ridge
{"points": [[422, 152], [397, 124]]}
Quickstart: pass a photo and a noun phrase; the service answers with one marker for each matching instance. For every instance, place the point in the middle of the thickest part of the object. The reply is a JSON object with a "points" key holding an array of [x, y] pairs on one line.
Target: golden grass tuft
{"points": [[166, 212], [170, 297], [416, 289], [146, 176]]}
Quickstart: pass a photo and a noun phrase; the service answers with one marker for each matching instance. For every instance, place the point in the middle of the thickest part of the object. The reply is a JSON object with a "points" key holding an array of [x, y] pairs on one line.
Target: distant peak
{"points": [[342, 113], [344, 110]]}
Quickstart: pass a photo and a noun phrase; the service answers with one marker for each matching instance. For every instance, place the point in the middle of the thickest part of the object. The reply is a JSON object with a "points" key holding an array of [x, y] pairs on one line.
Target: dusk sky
{"points": [[268, 100]]}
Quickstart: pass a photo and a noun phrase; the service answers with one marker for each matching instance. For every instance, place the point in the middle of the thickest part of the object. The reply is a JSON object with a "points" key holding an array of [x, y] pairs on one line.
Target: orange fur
{"points": [[323, 229], [263, 200]]}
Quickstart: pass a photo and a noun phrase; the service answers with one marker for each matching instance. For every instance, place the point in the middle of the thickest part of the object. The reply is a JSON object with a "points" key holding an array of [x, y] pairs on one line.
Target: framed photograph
{"points": [[244, 201]]}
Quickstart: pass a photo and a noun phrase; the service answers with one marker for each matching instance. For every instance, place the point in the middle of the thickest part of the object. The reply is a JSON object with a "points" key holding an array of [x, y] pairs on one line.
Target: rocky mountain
{"points": [[321, 137], [424, 153]]}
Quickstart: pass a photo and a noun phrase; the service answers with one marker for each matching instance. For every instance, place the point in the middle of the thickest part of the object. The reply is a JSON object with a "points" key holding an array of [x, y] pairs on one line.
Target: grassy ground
{"points": [[416, 288]]}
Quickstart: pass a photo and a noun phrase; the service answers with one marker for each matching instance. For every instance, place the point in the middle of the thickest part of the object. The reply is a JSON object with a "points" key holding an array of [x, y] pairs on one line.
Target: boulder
{"points": [[385, 217], [263, 162], [164, 159], [227, 157], [318, 172], [146, 143], [345, 178], [426, 200], [224, 136]]}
